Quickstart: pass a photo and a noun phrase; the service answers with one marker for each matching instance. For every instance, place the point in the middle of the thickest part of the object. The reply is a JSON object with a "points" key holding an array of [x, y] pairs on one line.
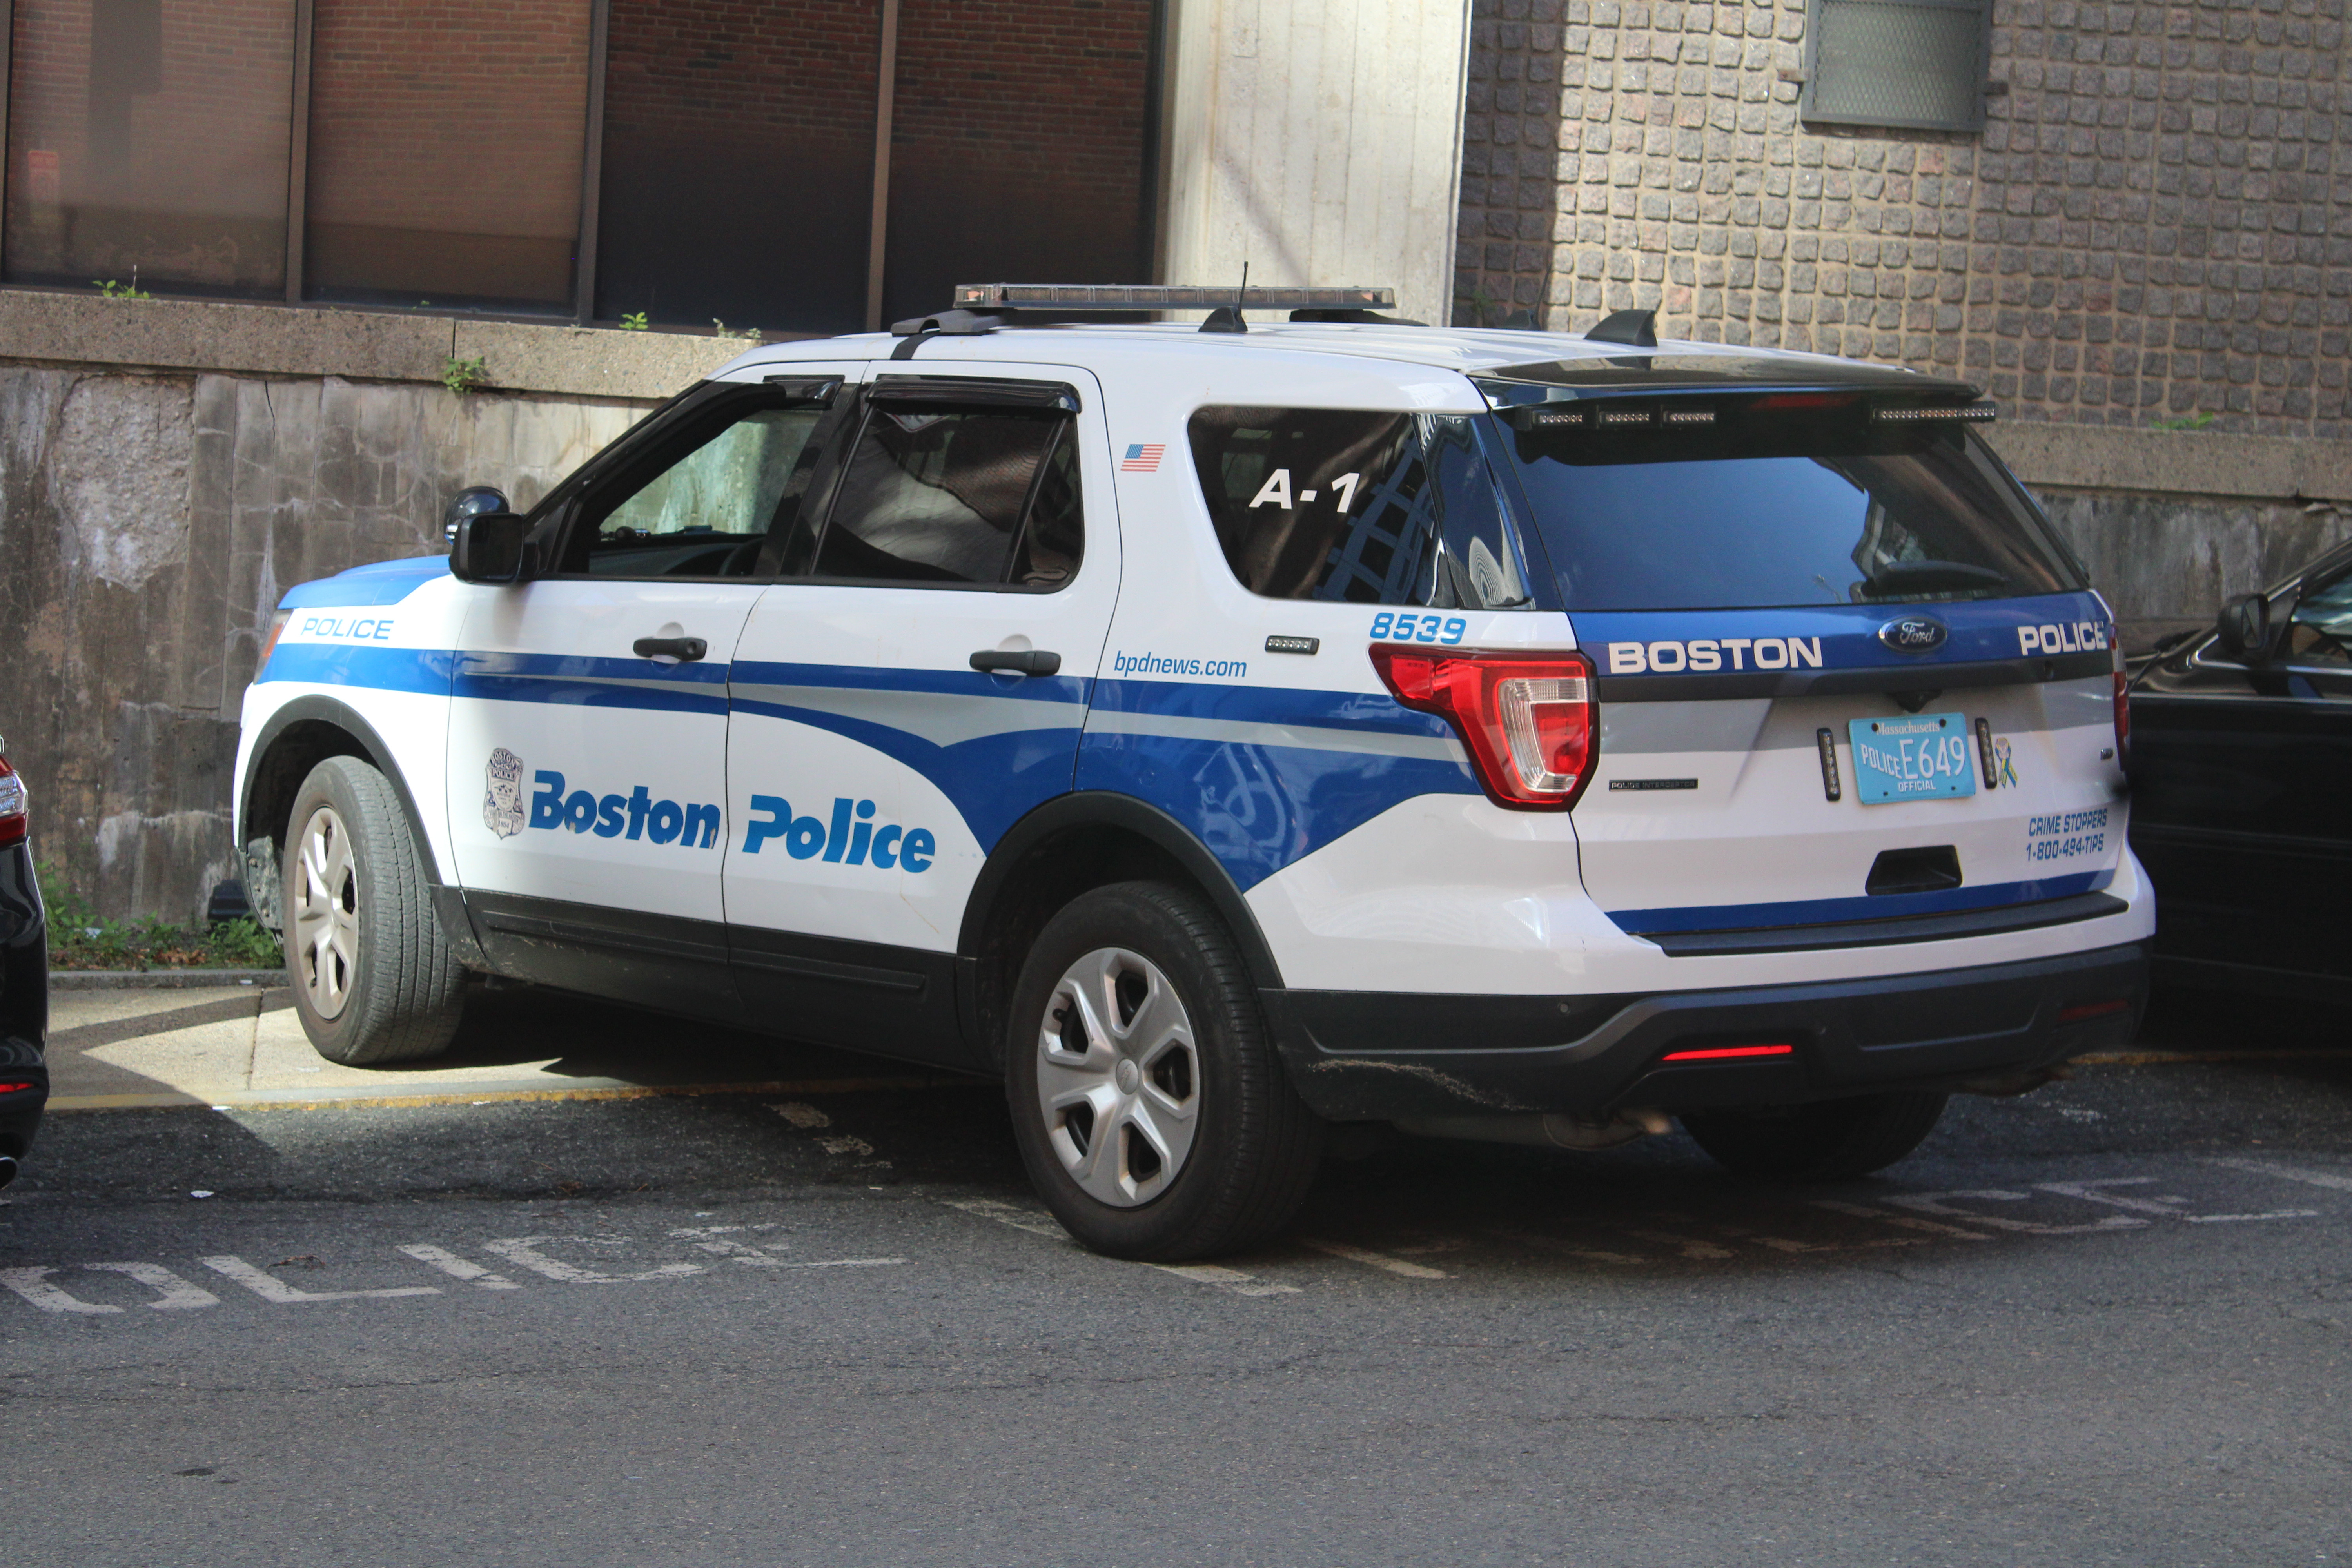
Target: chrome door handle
{"points": [[686, 650], [1030, 661]]}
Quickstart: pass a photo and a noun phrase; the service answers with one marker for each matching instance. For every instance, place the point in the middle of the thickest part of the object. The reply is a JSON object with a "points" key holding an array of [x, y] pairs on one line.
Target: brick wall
{"points": [[2156, 224]]}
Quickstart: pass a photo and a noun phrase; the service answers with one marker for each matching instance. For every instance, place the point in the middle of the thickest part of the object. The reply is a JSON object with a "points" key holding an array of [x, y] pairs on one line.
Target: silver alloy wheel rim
{"points": [[325, 912], [1118, 1076]]}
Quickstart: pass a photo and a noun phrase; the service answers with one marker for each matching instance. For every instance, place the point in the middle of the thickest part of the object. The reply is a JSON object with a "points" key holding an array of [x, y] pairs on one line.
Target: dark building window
{"points": [[149, 136], [1017, 147], [738, 162], [446, 147], [1909, 64]]}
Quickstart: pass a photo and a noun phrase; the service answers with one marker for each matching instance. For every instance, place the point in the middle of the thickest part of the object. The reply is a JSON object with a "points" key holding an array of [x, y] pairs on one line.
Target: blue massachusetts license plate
{"points": [[1919, 756]]}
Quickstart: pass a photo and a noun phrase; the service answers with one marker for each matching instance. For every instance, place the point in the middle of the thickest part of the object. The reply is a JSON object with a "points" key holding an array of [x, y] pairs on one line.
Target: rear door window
{"points": [[1357, 507], [1789, 500], [979, 496]]}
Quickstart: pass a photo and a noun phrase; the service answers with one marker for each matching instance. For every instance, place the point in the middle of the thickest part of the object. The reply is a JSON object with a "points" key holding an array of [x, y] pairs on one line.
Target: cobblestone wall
{"points": [[2155, 223]]}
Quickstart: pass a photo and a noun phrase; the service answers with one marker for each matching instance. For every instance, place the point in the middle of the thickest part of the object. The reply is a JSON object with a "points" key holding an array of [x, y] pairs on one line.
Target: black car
{"points": [[2241, 789], [24, 980]]}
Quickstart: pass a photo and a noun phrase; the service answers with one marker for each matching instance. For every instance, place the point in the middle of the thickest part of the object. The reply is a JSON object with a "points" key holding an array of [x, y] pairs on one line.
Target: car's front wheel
{"points": [[373, 980], [1152, 1110], [1829, 1140]]}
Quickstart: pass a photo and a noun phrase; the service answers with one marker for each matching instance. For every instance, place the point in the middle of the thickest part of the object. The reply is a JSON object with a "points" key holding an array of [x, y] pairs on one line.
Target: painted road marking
{"points": [[2099, 1192], [1908, 1222], [456, 1268], [273, 1289], [715, 1239], [1365, 1255], [33, 1284], [173, 1294], [525, 1251], [1038, 1224], [1933, 1203], [503, 1092], [2288, 1173]]}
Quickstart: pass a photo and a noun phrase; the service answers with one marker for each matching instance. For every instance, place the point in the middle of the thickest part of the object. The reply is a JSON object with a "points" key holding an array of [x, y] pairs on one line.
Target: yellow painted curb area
{"points": [[394, 1099]]}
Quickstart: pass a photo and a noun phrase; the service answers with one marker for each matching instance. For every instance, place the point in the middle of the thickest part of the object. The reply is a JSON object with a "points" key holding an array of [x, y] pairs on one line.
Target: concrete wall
{"points": [[1319, 141], [151, 513], [168, 470]]}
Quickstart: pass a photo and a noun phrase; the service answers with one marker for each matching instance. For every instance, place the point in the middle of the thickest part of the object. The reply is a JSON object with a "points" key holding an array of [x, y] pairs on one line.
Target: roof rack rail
{"points": [[1081, 297]]}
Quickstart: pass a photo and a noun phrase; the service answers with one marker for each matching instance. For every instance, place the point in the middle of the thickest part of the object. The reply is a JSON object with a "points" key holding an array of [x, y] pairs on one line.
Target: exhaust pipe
{"points": [[1547, 1131], [8, 1169]]}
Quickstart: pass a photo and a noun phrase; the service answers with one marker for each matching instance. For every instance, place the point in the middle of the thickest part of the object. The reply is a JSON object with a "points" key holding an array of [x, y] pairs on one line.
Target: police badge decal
{"points": [[502, 809]]}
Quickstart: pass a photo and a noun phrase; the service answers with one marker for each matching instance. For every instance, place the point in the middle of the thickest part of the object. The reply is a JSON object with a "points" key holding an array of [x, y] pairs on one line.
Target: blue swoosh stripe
{"points": [[946, 682], [1268, 705], [420, 670], [1829, 911], [587, 682]]}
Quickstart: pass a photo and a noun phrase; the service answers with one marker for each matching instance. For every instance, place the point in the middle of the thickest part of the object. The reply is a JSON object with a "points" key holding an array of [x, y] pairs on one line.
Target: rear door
{"points": [[588, 718], [1844, 672], [872, 763]]}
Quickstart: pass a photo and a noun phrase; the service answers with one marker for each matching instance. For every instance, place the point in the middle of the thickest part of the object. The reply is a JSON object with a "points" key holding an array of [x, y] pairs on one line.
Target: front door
{"points": [[588, 725], [911, 692]]}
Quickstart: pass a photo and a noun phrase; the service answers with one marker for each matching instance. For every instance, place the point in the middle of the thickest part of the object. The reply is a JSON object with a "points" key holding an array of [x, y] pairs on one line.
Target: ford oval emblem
{"points": [[1914, 633]]}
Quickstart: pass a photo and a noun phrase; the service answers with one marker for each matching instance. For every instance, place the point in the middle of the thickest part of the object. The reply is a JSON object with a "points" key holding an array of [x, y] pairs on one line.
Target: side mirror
{"points": [[2244, 628], [487, 547], [474, 501]]}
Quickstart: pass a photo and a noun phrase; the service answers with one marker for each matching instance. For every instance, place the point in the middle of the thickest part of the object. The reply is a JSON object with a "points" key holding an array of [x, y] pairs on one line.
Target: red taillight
{"points": [[2083, 1012], [1725, 1053], [12, 821], [1528, 721], [14, 1088]]}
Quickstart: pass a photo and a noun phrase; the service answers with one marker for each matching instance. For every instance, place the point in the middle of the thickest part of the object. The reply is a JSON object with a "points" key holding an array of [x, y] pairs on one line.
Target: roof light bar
{"points": [[1165, 297], [1975, 413]]}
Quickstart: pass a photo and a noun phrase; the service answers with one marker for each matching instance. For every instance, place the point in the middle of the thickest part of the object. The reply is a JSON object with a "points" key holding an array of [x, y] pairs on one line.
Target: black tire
{"points": [[392, 990], [1254, 1145], [1828, 1141]]}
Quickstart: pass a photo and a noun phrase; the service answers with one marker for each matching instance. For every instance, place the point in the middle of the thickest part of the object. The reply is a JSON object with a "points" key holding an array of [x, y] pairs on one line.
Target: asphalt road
{"points": [[2108, 1323]]}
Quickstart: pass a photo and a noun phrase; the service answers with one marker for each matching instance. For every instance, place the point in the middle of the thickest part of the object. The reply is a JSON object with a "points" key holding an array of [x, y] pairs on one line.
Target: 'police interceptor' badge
{"points": [[502, 809]]}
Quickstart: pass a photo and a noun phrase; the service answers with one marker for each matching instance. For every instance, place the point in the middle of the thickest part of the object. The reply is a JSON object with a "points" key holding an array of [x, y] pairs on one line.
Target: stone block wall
{"points": [[2156, 224]]}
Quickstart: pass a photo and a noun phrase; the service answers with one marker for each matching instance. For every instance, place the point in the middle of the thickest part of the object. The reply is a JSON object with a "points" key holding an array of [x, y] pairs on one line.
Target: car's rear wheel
{"points": [[373, 980], [1152, 1110], [1829, 1140]]}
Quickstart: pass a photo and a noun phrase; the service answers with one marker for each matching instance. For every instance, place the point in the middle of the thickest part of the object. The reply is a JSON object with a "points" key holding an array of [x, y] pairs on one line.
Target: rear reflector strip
{"points": [[1725, 1053], [2089, 1010]]}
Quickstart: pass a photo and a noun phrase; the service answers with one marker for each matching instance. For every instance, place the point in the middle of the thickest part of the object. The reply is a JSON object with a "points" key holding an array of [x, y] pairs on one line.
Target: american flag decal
{"points": [[1141, 458]]}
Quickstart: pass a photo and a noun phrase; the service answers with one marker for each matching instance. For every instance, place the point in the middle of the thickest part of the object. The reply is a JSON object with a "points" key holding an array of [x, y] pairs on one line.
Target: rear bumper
{"points": [[1374, 1057]]}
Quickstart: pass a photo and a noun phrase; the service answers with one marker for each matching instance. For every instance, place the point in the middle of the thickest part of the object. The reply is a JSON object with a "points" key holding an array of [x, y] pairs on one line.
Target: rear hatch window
{"points": [[1780, 499]]}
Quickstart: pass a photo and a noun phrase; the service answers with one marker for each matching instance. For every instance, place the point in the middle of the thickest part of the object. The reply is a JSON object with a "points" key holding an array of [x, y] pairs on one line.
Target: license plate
{"points": [[1919, 756]]}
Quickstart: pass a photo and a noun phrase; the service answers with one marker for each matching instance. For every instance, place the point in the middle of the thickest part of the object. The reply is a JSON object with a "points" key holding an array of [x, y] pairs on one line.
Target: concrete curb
{"points": [[160, 979]]}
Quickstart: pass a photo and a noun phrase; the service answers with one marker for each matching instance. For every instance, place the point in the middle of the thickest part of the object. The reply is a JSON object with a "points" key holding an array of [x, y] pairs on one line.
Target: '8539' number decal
{"points": [[1403, 626]]}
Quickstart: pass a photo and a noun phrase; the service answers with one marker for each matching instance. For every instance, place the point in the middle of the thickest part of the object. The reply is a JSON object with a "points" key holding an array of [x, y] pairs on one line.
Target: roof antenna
{"points": [[1228, 318]]}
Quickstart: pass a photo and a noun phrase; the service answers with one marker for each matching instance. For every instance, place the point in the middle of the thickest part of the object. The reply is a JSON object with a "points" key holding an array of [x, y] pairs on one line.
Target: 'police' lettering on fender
{"points": [[851, 839], [1704, 656]]}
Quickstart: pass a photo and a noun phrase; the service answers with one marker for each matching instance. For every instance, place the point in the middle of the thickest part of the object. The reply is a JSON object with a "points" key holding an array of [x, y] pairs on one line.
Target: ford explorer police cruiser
{"points": [[1224, 733]]}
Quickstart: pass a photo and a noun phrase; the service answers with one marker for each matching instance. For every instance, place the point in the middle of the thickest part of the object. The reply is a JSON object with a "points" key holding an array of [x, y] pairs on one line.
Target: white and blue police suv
{"points": [[1222, 734]]}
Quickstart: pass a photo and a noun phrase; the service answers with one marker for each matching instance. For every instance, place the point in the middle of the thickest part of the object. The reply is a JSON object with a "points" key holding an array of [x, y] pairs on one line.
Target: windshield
{"points": [[1763, 506]]}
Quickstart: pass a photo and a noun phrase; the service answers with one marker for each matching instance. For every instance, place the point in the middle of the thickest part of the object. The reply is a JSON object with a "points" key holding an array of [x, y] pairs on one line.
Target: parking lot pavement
{"points": [[2109, 1322]]}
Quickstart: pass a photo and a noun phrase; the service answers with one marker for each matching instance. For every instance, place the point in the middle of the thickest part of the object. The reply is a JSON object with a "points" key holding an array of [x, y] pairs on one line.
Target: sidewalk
{"points": [[242, 1046]]}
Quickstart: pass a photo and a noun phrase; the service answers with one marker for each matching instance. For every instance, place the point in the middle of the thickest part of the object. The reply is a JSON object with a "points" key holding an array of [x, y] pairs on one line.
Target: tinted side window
{"points": [[953, 496], [705, 513], [1365, 508], [2320, 632]]}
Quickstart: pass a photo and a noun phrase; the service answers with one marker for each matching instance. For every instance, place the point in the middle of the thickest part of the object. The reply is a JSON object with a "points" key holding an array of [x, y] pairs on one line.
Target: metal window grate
{"points": [[1914, 64]]}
